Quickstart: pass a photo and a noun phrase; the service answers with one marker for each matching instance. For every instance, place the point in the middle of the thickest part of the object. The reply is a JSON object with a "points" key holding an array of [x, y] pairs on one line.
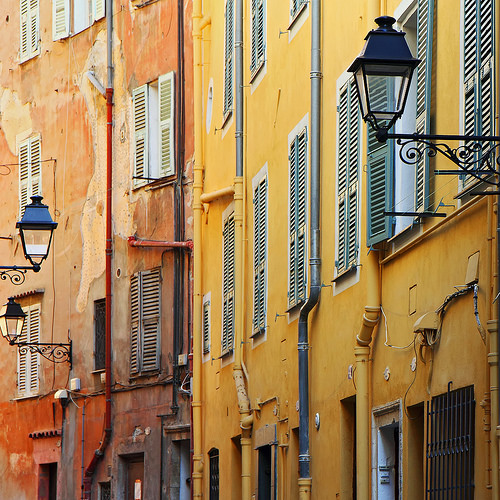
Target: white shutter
{"points": [[34, 358], [166, 113], [24, 176], [27, 361], [60, 19], [23, 43], [98, 9], [141, 148], [35, 167], [30, 171], [34, 28]]}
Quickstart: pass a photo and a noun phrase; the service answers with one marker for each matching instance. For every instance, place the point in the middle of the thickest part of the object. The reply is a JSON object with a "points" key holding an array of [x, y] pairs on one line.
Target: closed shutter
{"points": [[425, 26], [34, 28], [478, 67], [228, 57], [260, 256], [228, 287], [206, 327], [348, 177], [135, 354], [24, 49], [295, 6], [98, 9], [145, 321], [258, 38], [27, 361], [166, 113], [141, 147], [30, 171], [60, 19]]}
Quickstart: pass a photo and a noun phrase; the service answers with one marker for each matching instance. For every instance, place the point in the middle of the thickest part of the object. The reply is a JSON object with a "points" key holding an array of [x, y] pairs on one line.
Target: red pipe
{"points": [[89, 471], [134, 242]]}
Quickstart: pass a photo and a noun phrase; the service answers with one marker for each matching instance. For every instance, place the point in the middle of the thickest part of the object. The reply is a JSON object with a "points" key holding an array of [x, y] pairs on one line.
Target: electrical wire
{"points": [[386, 343]]}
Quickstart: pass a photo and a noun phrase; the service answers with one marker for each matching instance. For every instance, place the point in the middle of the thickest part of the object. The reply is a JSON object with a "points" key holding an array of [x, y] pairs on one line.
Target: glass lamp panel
{"points": [[37, 243], [361, 86], [14, 327]]}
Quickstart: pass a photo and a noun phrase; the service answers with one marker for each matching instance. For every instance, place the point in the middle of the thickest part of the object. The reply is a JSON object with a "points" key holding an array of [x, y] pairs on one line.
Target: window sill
{"points": [[254, 73], [28, 396], [258, 333]]}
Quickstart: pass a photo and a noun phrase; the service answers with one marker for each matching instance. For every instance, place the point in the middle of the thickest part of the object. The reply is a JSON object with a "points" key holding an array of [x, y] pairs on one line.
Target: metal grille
{"points": [[104, 491], [214, 474], [450, 445], [99, 334]]}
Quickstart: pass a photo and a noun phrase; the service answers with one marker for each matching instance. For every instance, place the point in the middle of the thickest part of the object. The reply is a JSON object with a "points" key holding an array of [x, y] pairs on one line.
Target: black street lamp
{"points": [[35, 228], [12, 319]]}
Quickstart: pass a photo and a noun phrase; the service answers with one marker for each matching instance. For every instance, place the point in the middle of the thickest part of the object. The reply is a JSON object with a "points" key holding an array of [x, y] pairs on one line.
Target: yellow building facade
{"points": [[344, 315]]}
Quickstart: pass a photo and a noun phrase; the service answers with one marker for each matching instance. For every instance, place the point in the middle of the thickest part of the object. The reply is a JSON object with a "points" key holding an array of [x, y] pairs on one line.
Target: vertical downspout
{"points": [[305, 479], [197, 271], [246, 417], [89, 472], [370, 320]]}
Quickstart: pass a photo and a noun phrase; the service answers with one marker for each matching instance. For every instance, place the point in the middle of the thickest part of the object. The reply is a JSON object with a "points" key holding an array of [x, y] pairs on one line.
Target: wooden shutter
{"points": [[30, 171], [166, 113], [141, 146], [206, 327], [98, 9], [24, 176], [260, 256], [425, 26], [145, 299], [258, 39], [24, 30], [27, 361], [297, 215], [228, 287], [347, 177], [34, 27], [60, 19], [228, 57], [134, 324]]}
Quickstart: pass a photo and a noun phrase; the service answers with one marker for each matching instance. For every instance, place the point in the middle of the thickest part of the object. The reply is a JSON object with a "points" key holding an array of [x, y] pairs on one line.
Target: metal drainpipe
{"points": [[305, 479], [89, 472], [246, 417]]}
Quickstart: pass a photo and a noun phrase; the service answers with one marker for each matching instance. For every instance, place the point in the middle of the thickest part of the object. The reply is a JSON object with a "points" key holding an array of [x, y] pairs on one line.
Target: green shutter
{"points": [[425, 26], [228, 57], [348, 177], [166, 100], [141, 143], [297, 215], [257, 55], [228, 289], [60, 19], [260, 256]]}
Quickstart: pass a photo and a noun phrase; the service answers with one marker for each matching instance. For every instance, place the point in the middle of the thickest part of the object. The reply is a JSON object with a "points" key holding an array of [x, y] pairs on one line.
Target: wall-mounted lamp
{"points": [[12, 319]]}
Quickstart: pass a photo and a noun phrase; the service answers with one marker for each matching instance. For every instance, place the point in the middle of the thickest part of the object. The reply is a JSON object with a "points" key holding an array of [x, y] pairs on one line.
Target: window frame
{"points": [[143, 342]]}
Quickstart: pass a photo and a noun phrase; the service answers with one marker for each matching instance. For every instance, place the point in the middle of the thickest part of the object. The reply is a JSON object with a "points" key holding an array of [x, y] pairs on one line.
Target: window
{"points": [[296, 7], [154, 140], [30, 172], [228, 289], [478, 73], [213, 456], [105, 491], [349, 130], [145, 321], [392, 185], [206, 324], [259, 256], [99, 334], [27, 361], [30, 29], [258, 49], [228, 58], [450, 448], [73, 16], [297, 219]]}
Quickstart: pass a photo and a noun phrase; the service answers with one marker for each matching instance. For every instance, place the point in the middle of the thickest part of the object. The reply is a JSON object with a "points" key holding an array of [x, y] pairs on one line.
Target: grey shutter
{"points": [[425, 26], [380, 181], [297, 215], [260, 256], [141, 143], [206, 327], [134, 324], [166, 102], [228, 57], [257, 55], [228, 287], [150, 319], [348, 177]]}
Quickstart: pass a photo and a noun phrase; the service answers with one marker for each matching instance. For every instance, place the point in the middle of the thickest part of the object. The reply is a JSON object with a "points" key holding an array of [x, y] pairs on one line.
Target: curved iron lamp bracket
{"points": [[16, 274], [57, 353], [476, 156]]}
